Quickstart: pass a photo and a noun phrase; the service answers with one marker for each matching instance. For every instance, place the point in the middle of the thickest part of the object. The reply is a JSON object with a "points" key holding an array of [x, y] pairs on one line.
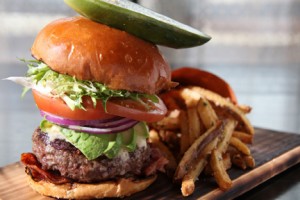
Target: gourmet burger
{"points": [[95, 87]]}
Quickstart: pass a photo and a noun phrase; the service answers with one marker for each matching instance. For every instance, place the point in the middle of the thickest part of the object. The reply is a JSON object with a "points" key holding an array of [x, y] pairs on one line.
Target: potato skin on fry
{"points": [[188, 181], [195, 150]]}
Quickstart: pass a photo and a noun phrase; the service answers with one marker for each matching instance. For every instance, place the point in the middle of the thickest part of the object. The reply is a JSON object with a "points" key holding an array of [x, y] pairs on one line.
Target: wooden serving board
{"points": [[273, 151]]}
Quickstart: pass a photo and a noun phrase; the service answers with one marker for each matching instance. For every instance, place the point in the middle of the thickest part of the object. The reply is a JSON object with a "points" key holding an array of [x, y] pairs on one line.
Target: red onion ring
{"points": [[93, 130], [102, 126], [65, 121]]}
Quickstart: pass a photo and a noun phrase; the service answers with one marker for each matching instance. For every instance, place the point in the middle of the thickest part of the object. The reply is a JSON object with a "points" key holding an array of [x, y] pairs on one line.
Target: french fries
{"points": [[234, 111], [239, 145], [212, 136], [188, 181], [195, 149], [244, 108], [170, 122], [249, 160], [196, 167], [207, 113], [244, 137], [219, 170], [226, 136], [226, 163], [194, 127], [184, 139]]}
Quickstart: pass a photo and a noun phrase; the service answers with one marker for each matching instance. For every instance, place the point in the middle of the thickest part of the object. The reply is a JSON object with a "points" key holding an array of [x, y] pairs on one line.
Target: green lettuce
{"points": [[73, 89]]}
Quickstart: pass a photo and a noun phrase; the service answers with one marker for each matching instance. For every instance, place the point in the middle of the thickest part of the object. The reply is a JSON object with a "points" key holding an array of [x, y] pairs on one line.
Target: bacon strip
{"points": [[34, 169]]}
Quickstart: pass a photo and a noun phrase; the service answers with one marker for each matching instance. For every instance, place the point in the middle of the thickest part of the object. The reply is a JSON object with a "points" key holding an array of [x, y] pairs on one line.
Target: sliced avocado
{"points": [[114, 146], [92, 146], [142, 129], [129, 139], [139, 21]]}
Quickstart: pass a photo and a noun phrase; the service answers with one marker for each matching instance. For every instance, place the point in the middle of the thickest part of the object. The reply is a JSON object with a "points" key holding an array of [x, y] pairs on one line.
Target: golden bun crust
{"points": [[121, 188], [92, 51]]}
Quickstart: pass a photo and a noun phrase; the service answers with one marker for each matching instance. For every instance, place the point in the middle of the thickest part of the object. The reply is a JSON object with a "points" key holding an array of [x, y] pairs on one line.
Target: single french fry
{"points": [[240, 146], [238, 161], [206, 113], [244, 137], [219, 171], [226, 135], [184, 139], [249, 160], [226, 163], [188, 182], [245, 108], [237, 158], [195, 149], [193, 124], [153, 135]]}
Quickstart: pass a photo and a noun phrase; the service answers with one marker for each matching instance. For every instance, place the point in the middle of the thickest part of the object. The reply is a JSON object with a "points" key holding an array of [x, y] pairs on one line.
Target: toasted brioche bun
{"points": [[92, 51], [121, 188]]}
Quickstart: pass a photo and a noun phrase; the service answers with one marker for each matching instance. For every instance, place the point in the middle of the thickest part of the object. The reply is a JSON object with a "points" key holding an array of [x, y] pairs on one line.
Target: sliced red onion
{"points": [[65, 122], [103, 126], [93, 130]]}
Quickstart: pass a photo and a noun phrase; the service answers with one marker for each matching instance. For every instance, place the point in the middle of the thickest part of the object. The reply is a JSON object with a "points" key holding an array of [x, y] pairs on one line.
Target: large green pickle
{"points": [[140, 21]]}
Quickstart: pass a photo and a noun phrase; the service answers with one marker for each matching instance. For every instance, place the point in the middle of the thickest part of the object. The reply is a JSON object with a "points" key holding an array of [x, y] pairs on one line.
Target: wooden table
{"points": [[274, 153]]}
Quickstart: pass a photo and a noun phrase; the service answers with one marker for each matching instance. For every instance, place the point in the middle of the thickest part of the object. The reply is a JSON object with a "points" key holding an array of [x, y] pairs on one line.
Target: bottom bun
{"points": [[121, 188]]}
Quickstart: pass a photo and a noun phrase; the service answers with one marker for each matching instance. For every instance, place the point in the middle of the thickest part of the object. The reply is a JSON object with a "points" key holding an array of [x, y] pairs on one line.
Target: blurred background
{"points": [[255, 47]]}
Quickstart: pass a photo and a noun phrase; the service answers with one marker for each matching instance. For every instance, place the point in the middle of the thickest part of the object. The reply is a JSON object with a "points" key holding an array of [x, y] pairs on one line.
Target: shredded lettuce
{"points": [[71, 90]]}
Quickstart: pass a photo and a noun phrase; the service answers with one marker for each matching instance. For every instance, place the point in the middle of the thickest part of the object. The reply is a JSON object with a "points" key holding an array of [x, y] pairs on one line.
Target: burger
{"points": [[95, 87]]}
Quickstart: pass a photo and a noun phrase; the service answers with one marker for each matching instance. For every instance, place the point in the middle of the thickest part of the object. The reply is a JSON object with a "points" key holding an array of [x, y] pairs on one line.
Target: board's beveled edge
{"points": [[255, 177]]}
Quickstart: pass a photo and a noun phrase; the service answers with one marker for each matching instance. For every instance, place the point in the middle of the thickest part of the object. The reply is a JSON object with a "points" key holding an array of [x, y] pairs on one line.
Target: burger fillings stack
{"points": [[95, 88]]}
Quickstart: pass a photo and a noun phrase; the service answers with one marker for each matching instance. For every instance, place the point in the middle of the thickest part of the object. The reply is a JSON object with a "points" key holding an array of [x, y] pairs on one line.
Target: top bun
{"points": [[92, 51]]}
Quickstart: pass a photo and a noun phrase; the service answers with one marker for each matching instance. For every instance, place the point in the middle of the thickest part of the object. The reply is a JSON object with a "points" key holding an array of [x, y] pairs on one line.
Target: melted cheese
{"points": [[123, 154], [54, 133], [141, 142]]}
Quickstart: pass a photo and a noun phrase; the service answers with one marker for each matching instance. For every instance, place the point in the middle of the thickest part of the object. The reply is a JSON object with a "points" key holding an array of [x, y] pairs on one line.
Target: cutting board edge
{"points": [[261, 173]]}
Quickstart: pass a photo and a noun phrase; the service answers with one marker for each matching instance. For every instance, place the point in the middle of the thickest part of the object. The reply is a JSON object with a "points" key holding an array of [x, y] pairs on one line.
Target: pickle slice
{"points": [[139, 21]]}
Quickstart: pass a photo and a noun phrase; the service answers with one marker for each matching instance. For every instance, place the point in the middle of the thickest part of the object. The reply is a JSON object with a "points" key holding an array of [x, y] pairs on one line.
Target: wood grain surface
{"points": [[273, 151]]}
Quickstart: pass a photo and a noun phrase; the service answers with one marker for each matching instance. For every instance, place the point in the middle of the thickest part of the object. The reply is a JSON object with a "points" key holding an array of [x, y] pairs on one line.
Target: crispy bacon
{"points": [[37, 173], [157, 163], [34, 169]]}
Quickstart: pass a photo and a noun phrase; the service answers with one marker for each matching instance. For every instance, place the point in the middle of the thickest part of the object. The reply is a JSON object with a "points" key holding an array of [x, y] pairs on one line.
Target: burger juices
{"points": [[95, 88]]}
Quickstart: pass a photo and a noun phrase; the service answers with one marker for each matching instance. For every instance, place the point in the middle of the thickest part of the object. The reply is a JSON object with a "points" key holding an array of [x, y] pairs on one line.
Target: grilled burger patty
{"points": [[60, 155]]}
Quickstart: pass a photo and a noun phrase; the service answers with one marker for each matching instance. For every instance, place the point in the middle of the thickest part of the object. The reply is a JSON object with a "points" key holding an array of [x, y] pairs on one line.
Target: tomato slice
{"points": [[207, 80], [134, 110], [115, 107]]}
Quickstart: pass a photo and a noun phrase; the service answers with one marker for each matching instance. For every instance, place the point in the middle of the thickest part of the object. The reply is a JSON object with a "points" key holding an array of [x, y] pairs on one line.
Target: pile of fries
{"points": [[203, 133]]}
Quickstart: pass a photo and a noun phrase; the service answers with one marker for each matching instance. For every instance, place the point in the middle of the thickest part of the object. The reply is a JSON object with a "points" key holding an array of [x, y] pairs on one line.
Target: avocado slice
{"points": [[114, 146]]}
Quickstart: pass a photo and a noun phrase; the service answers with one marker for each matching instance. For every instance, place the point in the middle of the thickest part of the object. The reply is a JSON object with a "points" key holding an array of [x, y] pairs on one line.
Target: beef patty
{"points": [[60, 155]]}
